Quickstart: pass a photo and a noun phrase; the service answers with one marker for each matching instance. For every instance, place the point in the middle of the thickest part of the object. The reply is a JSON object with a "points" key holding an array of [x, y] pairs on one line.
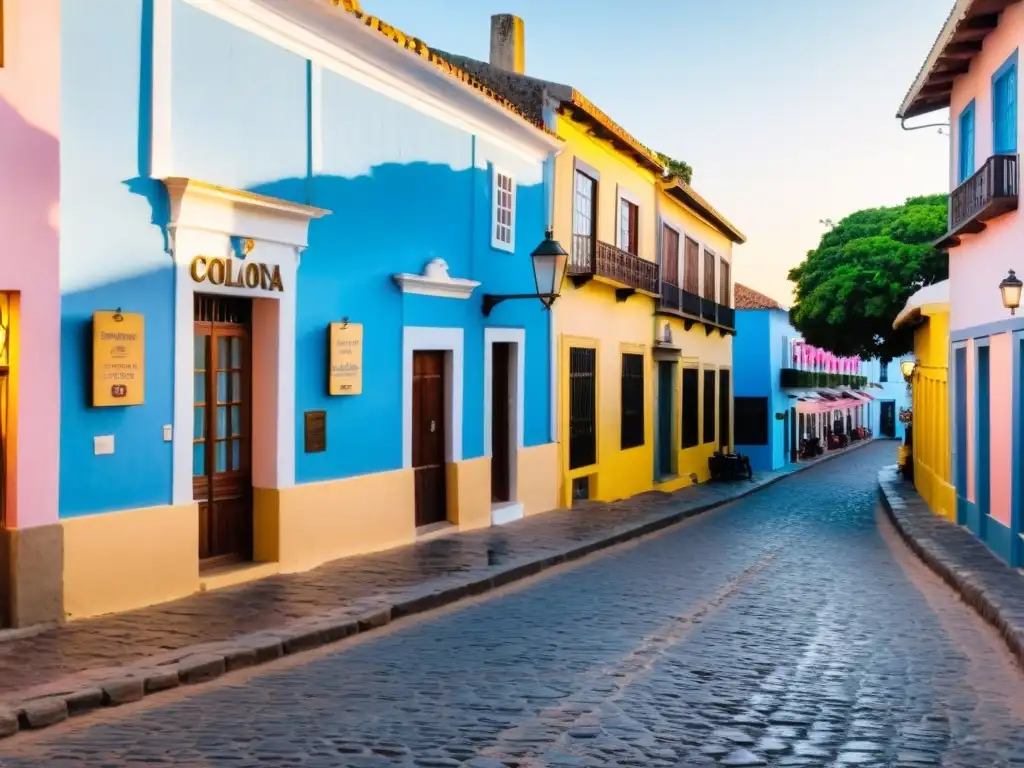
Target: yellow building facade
{"points": [[694, 325], [632, 367], [927, 311]]}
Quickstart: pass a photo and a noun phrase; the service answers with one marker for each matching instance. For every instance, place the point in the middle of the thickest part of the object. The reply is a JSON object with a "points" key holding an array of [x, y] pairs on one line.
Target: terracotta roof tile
{"points": [[748, 298], [418, 47]]}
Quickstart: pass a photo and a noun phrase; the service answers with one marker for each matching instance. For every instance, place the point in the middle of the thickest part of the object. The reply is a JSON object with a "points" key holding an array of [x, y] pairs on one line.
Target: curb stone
{"points": [[993, 591], [205, 662]]}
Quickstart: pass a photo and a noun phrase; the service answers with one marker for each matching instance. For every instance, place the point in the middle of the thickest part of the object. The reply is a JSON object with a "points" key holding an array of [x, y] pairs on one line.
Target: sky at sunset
{"points": [[784, 108]]}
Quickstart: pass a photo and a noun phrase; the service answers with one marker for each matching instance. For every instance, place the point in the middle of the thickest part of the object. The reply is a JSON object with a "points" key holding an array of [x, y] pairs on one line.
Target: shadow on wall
{"points": [[392, 220]]}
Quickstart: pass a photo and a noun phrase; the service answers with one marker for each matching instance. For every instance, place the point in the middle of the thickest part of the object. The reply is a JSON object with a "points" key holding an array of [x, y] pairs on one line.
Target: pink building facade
{"points": [[31, 553], [973, 71]]}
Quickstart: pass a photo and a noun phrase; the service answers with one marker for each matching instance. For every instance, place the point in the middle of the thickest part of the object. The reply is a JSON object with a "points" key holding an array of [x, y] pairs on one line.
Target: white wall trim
{"points": [[435, 281], [203, 221], [316, 117], [517, 337], [161, 148], [428, 339], [341, 43]]}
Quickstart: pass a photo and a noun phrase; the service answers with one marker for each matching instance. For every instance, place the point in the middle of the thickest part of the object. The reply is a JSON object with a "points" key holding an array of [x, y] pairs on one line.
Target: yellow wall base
{"points": [[118, 561], [469, 493], [122, 560], [537, 478]]}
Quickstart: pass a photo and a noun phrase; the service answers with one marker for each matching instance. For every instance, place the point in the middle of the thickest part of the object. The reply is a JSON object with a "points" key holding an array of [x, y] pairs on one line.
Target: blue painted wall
{"points": [[111, 255], [757, 358], [403, 187]]}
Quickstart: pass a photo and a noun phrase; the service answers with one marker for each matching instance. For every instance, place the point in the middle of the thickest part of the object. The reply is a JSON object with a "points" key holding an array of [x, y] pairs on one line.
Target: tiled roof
{"points": [[748, 298], [688, 196], [418, 47]]}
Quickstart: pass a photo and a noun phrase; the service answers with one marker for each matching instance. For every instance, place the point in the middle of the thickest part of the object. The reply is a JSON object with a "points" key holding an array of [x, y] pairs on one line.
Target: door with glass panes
{"points": [[221, 450]]}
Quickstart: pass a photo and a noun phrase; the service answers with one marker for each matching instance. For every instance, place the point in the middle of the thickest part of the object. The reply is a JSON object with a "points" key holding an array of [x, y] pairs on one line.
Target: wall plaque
{"points": [[316, 431], [118, 359], [345, 367]]}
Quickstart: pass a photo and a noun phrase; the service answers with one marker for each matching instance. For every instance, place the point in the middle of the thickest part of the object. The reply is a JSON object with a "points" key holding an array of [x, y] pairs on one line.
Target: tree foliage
{"points": [[851, 287], [677, 168]]}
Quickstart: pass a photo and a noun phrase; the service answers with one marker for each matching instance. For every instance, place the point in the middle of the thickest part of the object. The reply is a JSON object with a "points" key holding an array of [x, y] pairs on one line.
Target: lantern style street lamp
{"points": [[1010, 288], [550, 261], [907, 368]]}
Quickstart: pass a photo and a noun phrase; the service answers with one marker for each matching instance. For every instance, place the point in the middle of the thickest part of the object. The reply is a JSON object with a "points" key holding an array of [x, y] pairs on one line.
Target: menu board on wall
{"points": [[345, 371], [118, 359]]}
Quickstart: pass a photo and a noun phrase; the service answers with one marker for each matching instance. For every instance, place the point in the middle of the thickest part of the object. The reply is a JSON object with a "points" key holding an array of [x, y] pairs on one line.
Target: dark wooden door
{"points": [[428, 437], [666, 392], [794, 443], [221, 446], [501, 431], [887, 427]]}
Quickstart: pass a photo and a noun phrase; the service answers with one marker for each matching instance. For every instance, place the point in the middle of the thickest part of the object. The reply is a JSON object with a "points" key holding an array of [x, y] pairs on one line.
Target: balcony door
{"points": [[670, 256], [1004, 108], [584, 223], [691, 273]]}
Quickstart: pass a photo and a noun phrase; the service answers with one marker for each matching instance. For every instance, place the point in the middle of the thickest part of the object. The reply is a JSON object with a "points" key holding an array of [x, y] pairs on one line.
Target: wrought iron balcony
{"points": [[793, 378], [695, 309], [992, 191], [592, 258]]}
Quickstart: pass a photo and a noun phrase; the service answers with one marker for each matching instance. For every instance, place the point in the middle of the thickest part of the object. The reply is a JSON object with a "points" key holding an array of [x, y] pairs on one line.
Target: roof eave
{"points": [[958, 42], [687, 195]]}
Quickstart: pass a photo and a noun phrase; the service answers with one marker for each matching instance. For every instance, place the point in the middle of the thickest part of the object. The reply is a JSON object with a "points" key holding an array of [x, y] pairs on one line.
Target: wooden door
{"points": [[221, 446], [501, 430], [666, 392], [428, 437], [887, 425]]}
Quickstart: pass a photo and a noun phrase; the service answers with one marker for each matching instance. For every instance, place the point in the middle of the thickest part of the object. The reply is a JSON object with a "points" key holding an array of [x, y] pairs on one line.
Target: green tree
{"points": [[677, 168], [851, 287]]}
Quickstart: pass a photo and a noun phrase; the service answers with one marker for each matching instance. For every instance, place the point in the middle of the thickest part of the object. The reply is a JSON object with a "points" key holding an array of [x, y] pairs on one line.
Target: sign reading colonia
{"points": [[118, 359], [346, 364], [235, 274]]}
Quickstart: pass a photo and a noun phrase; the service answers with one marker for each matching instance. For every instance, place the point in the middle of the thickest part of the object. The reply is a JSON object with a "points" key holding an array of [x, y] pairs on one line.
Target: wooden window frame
{"points": [[503, 206], [632, 233]]}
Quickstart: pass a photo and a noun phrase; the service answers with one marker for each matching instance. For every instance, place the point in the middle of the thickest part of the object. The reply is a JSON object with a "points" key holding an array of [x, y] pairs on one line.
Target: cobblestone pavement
{"points": [[783, 630], [61, 658]]}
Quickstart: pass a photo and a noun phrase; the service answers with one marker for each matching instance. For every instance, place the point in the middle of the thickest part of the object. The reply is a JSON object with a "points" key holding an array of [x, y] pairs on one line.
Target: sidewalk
{"points": [[119, 658], [985, 582]]}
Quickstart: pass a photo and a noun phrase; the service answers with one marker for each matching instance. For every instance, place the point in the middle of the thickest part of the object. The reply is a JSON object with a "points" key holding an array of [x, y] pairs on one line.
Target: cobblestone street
{"points": [[789, 629]]}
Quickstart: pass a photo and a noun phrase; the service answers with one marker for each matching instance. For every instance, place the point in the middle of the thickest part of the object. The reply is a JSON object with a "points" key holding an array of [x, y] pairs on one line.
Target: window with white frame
{"points": [[503, 218]]}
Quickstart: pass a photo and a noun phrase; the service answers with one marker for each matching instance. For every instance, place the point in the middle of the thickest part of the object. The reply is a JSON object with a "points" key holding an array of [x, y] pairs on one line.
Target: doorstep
{"points": [[506, 512], [235, 574]]}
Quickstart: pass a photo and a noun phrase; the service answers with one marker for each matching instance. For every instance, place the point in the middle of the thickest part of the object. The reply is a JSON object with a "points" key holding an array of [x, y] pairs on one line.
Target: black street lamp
{"points": [[1010, 288], [550, 261]]}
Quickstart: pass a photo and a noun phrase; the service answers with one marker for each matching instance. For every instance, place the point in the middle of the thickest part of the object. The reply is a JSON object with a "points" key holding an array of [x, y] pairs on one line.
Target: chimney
{"points": [[508, 43]]}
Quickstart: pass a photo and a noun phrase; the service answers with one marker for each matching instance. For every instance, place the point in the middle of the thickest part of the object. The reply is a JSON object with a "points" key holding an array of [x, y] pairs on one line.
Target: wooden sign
{"points": [[118, 359], [315, 431], [345, 367]]}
